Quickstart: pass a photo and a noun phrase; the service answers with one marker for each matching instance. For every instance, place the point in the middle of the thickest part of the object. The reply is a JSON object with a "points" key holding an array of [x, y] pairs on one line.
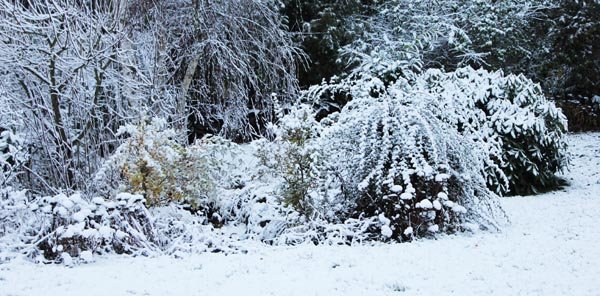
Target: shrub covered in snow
{"points": [[508, 115], [388, 166], [152, 163], [292, 157], [390, 156], [12, 156], [72, 228], [530, 129], [76, 225], [62, 227]]}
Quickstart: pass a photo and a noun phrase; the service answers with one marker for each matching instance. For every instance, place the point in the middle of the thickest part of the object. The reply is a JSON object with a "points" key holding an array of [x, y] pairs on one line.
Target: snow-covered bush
{"points": [[14, 215], [293, 158], [391, 157], [12, 156], [151, 162], [75, 225], [62, 227], [508, 115], [530, 128], [74, 228]]}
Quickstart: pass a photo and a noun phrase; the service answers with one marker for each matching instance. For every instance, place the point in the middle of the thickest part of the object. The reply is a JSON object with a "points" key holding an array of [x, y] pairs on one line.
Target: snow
{"points": [[441, 177], [87, 256], [433, 228], [459, 209], [406, 195], [425, 204], [67, 259], [396, 188], [551, 248], [386, 231], [81, 215]]}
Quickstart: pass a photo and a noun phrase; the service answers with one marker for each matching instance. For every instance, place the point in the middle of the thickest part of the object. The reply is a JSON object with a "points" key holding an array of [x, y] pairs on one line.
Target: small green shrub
{"points": [[292, 157], [151, 163]]}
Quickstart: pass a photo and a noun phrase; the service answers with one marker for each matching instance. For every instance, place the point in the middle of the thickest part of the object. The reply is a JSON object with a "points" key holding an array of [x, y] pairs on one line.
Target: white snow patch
{"points": [[441, 177], [67, 260], [81, 215], [86, 256], [396, 188], [406, 195], [459, 209], [433, 228], [425, 204], [386, 231]]}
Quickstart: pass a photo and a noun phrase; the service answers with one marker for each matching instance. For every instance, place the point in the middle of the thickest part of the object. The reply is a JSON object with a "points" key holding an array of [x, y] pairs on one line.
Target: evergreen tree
{"points": [[322, 28], [571, 67]]}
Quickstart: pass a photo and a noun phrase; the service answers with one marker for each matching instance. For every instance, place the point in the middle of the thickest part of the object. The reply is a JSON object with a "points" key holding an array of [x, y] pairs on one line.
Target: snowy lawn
{"points": [[552, 247]]}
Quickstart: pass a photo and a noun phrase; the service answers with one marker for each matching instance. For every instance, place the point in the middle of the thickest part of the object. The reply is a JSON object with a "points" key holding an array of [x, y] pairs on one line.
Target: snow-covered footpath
{"points": [[552, 247]]}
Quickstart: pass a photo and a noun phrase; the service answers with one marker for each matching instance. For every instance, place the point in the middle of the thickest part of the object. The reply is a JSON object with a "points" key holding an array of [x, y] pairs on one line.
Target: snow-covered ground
{"points": [[552, 247]]}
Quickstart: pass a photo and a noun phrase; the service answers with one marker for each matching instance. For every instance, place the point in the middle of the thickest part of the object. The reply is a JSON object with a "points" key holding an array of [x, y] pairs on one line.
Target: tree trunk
{"points": [[63, 146]]}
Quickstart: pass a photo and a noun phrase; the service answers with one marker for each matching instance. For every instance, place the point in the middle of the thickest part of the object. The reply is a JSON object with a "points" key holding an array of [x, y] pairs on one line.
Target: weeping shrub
{"points": [[386, 167], [388, 158]]}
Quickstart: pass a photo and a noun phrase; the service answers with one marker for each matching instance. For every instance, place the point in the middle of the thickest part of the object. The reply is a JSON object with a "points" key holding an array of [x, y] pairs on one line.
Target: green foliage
{"points": [[150, 162], [292, 157], [322, 28], [534, 153], [530, 128], [571, 66], [583, 113]]}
